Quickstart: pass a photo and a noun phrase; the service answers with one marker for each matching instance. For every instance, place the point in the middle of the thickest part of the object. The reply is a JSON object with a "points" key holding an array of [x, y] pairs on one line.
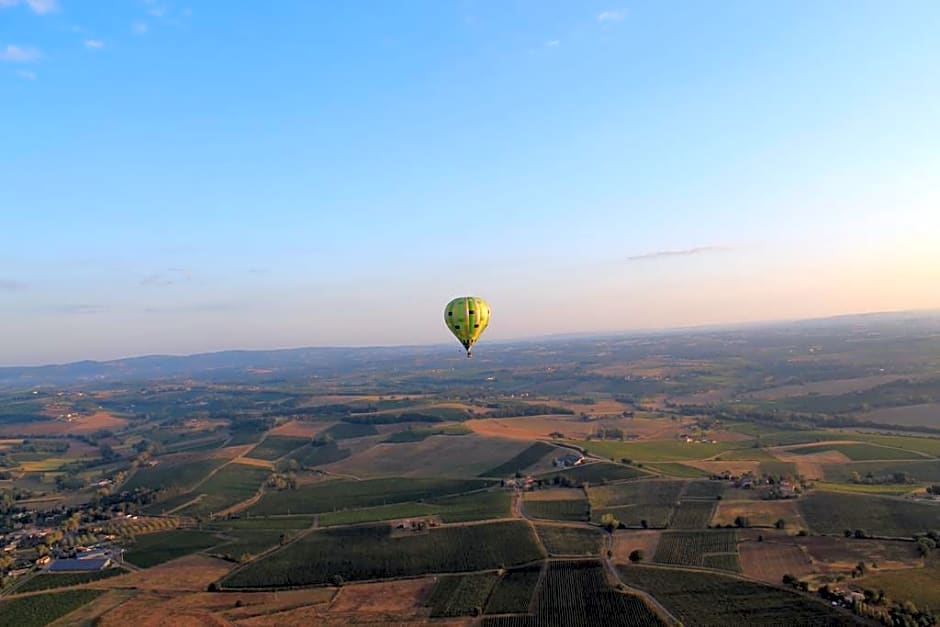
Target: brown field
{"points": [[404, 596], [760, 513], [192, 573], [626, 541], [301, 429], [81, 424], [734, 467], [927, 415], [230, 452], [919, 585], [810, 465], [251, 461], [833, 386], [535, 427], [436, 456], [554, 494], [773, 558], [831, 554]]}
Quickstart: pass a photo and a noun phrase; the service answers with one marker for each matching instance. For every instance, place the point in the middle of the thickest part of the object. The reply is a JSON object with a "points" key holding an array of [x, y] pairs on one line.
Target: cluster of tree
{"points": [[41, 446], [870, 478], [927, 542], [874, 605], [511, 410], [282, 481], [608, 433], [934, 489]]}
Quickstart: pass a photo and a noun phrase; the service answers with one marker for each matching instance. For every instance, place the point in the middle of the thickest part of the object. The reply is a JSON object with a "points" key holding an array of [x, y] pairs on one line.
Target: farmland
{"points": [[370, 552], [48, 581], [692, 515], [774, 557], [461, 595], [562, 540], [339, 495], [577, 593], [514, 590], [924, 471], [520, 462], [231, 485], [597, 473], [712, 599], [476, 506], [577, 509], [680, 471], [42, 609], [156, 548], [832, 513], [167, 475], [690, 548], [858, 452], [276, 446], [658, 451]]}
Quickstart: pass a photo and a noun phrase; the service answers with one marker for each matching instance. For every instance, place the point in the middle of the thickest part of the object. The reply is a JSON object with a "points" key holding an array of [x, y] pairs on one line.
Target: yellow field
{"points": [[536, 427], [301, 429], [554, 494], [760, 513]]}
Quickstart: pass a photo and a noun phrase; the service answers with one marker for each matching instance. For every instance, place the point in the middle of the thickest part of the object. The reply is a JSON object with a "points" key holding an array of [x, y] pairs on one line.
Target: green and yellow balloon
{"points": [[467, 317]]}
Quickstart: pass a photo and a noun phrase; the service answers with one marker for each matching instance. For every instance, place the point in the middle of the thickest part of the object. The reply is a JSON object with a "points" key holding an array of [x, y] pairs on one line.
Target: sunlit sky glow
{"points": [[178, 177]]}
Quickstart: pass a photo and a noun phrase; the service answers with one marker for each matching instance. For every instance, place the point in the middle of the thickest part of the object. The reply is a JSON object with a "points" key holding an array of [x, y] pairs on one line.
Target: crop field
{"points": [[328, 453], [626, 541], [370, 552], [692, 515], [688, 548], [712, 599], [777, 469], [523, 460], [758, 454], [250, 542], [577, 593], [658, 451], [475, 506], [829, 387], [461, 595], [858, 452], [229, 486], [558, 509], [928, 445], [839, 554], [422, 433], [786, 438], [334, 496], [759, 512], [561, 540], [924, 415], [680, 471], [926, 471], [654, 516], [773, 558], [918, 585], [349, 430], [167, 475], [437, 456], [514, 590], [597, 473], [664, 493], [41, 609], [276, 446], [48, 581], [703, 489], [279, 522], [156, 548], [833, 512]]}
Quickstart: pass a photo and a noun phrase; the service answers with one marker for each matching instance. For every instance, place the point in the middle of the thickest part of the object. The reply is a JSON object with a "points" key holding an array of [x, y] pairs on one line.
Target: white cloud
{"points": [[552, 43], [139, 27], [30, 76], [94, 43], [680, 252], [19, 54], [612, 15], [38, 6]]}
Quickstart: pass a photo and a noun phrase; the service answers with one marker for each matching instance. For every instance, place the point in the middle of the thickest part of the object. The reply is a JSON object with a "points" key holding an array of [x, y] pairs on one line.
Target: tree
{"points": [[780, 524], [609, 522], [636, 555]]}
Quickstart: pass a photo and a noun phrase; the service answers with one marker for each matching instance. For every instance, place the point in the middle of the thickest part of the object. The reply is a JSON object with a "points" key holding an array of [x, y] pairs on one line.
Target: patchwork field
{"points": [[924, 471], [570, 541], [918, 585], [657, 450], [626, 541], [156, 548], [541, 427], [761, 513], [832, 554], [832, 513], [833, 386], [926, 415], [774, 557], [857, 452]]}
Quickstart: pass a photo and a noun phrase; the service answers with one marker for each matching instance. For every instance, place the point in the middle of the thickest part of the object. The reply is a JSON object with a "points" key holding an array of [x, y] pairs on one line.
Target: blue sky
{"points": [[178, 177]]}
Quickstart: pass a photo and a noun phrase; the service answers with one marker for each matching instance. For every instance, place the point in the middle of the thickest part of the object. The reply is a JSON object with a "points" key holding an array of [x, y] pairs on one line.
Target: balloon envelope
{"points": [[467, 317]]}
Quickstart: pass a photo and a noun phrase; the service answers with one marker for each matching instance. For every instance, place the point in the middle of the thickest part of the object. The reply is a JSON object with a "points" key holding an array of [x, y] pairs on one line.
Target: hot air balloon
{"points": [[467, 317]]}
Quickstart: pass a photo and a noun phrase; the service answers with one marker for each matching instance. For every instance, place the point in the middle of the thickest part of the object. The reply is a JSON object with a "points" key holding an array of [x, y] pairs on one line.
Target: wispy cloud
{"points": [[94, 43], [196, 308], [38, 6], [10, 285], [680, 252], [552, 43], [30, 76], [611, 15], [139, 28], [79, 309], [172, 276], [19, 54]]}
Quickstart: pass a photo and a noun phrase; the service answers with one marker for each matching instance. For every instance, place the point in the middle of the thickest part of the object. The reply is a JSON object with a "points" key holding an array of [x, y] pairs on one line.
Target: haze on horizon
{"points": [[180, 177]]}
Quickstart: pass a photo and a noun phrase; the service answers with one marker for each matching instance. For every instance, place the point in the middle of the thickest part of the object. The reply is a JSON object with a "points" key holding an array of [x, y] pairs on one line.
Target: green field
{"points": [[370, 552], [475, 506], [777, 469], [251, 542], [858, 452], [156, 548], [423, 433], [675, 469], [48, 581], [577, 593], [833, 512], [926, 445], [925, 471], [749, 454], [637, 493], [658, 451], [166, 475], [568, 509], [596, 473], [277, 522], [713, 599], [918, 585], [347, 431], [688, 548], [334, 496], [276, 446], [41, 609], [703, 490], [560, 540], [520, 462], [321, 454], [229, 486], [786, 438], [461, 595], [514, 590]]}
